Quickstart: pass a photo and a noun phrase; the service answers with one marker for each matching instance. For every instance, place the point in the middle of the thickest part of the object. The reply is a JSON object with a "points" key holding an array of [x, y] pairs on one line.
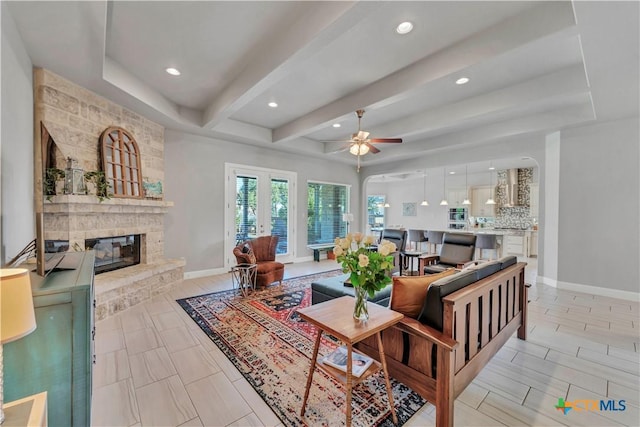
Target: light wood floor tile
{"points": [[512, 414], [502, 385], [110, 368], [114, 405], [543, 382], [192, 423], [629, 416], [225, 364], [151, 366], [250, 420], [229, 404], [467, 416], [109, 341], [141, 340], [473, 395], [528, 347], [596, 340], [620, 392], [176, 339], [109, 324], [135, 318], [632, 367], [546, 403], [159, 304], [194, 363], [564, 341], [595, 369], [563, 373], [168, 320], [259, 407], [165, 403]]}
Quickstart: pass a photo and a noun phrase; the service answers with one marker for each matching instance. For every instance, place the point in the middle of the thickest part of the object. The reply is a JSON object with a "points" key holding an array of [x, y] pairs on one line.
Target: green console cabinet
{"points": [[57, 357]]}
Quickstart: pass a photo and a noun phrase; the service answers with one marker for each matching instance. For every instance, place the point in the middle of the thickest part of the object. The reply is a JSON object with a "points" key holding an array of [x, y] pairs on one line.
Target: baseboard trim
{"points": [[588, 289], [204, 273]]}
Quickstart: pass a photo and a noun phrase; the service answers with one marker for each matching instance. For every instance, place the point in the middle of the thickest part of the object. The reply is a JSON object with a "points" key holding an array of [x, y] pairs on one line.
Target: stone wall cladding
{"points": [[121, 289], [75, 117]]}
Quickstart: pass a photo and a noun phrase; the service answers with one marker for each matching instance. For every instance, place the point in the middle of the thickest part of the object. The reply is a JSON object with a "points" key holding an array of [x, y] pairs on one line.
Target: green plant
{"points": [[51, 176], [99, 180]]}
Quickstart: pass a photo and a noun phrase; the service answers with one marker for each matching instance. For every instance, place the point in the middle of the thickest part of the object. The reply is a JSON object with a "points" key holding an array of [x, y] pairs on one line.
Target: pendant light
{"points": [[466, 186], [444, 181], [424, 189], [490, 200]]}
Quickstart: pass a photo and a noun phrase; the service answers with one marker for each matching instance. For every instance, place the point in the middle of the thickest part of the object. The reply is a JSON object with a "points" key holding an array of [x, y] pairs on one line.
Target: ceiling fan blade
{"points": [[375, 140], [372, 149]]}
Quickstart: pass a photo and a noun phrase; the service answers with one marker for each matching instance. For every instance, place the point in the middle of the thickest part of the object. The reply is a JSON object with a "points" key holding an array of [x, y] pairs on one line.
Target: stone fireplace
{"points": [[74, 119], [113, 253]]}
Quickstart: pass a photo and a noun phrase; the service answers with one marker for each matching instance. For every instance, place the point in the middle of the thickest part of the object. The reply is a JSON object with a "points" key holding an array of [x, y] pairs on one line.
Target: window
{"points": [[121, 162], [326, 204], [375, 212]]}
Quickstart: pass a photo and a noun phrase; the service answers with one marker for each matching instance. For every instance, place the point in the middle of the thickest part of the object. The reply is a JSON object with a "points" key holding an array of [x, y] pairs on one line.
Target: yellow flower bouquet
{"points": [[369, 267]]}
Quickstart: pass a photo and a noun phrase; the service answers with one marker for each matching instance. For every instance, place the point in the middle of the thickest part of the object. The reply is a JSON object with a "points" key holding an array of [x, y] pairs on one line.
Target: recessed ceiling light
{"points": [[404, 27], [462, 80], [173, 71], [336, 125], [452, 173], [272, 104], [491, 168]]}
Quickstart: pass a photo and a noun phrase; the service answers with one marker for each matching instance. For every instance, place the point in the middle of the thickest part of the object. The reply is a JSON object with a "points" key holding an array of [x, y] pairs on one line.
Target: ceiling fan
{"points": [[360, 143]]}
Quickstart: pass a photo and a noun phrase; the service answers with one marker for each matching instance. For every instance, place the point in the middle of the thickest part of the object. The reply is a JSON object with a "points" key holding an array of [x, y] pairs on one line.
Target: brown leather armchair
{"points": [[262, 252]]}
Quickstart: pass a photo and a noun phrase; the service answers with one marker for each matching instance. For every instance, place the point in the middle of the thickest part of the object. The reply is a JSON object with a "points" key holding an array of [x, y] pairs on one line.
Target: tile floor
{"points": [[155, 367]]}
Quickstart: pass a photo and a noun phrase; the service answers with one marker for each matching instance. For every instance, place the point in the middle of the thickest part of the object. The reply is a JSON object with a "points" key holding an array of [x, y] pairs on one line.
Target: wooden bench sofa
{"points": [[465, 319]]}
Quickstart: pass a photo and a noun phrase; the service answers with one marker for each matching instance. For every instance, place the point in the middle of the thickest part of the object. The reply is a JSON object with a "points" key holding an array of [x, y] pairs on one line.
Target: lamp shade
{"points": [[17, 316]]}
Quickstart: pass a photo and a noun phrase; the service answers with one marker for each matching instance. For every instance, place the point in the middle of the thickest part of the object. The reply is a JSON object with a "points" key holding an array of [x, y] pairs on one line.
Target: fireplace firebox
{"points": [[113, 253]]}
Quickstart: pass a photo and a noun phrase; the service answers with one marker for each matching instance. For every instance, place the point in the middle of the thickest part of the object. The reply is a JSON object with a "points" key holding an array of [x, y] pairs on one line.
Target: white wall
{"points": [[194, 181], [599, 215], [16, 141]]}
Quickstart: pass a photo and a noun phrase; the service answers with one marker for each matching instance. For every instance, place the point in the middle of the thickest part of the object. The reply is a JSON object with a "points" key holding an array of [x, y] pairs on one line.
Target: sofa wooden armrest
{"points": [[414, 327]]}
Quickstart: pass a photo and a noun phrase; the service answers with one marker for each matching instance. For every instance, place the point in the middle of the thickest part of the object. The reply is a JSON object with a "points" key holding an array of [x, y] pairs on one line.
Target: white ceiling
{"points": [[535, 67]]}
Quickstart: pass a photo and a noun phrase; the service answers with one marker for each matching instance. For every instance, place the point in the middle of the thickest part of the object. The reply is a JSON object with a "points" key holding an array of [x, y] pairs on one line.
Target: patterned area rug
{"points": [[263, 336]]}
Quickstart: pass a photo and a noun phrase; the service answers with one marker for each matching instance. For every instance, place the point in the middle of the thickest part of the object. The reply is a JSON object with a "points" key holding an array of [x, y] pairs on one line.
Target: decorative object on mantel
{"points": [[51, 177], [100, 185], [409, 209], [370, 269], [17, 316], [74, 178], [152, 190]]}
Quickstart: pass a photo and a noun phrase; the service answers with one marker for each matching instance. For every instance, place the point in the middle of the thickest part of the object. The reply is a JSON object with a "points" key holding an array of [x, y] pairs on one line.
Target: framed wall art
{"points": [[409, 208]]}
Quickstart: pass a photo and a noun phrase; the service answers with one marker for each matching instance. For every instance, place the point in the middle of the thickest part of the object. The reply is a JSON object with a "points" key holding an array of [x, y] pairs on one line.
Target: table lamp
{"points": [[17, 317]]}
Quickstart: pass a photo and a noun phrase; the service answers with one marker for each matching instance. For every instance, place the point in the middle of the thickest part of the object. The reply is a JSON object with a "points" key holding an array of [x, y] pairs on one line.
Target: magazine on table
{"points": [[338, 359]]}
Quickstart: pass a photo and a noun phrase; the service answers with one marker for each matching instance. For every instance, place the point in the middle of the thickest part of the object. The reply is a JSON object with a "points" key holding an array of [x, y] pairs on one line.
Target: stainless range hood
{"points": [[512, 188]]}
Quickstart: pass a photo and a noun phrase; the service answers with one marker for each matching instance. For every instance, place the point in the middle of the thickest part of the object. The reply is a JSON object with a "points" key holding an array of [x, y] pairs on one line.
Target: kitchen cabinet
{"points": [[533, 244], [534, 197], [455, 196], [57, 357], [479, 197], [514, 244]]}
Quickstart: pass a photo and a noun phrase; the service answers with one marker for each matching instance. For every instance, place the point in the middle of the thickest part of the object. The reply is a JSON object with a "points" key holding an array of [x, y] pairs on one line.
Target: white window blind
{"points": [[326, 203]]}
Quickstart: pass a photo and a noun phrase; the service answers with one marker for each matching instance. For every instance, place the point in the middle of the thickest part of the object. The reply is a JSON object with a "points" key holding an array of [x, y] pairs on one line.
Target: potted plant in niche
{"points": [[53, 178], [99, 183], [369, 268]]}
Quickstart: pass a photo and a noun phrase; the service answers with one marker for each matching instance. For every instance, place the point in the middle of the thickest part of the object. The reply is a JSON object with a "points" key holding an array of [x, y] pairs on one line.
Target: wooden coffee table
{"points": [[335, 317]]}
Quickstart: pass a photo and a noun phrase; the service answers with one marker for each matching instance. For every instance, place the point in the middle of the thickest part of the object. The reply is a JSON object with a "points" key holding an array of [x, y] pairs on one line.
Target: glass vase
{"points": [[360, 310]]}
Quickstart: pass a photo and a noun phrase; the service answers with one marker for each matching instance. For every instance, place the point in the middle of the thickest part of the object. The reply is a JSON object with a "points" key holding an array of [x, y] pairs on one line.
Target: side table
{"points": [[335, 317], [244, 277]]}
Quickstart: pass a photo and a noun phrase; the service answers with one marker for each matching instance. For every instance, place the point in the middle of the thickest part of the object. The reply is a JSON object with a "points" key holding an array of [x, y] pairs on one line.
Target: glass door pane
{"points": [[246, 207], [280, 213]]}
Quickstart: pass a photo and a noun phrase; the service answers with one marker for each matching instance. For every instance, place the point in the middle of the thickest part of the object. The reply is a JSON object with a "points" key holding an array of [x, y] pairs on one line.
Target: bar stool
{"points": [[486, 241], [417, 236], [434, 238]]}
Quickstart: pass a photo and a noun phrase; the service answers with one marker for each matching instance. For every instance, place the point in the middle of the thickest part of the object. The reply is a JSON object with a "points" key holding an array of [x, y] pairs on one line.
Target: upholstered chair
{"points": [[417, 236], [399, 237], [456, 251], [262, 252]]}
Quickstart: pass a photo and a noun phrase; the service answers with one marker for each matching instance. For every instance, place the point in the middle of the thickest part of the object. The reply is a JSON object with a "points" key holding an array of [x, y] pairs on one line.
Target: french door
{"points": [[260, 202]]}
